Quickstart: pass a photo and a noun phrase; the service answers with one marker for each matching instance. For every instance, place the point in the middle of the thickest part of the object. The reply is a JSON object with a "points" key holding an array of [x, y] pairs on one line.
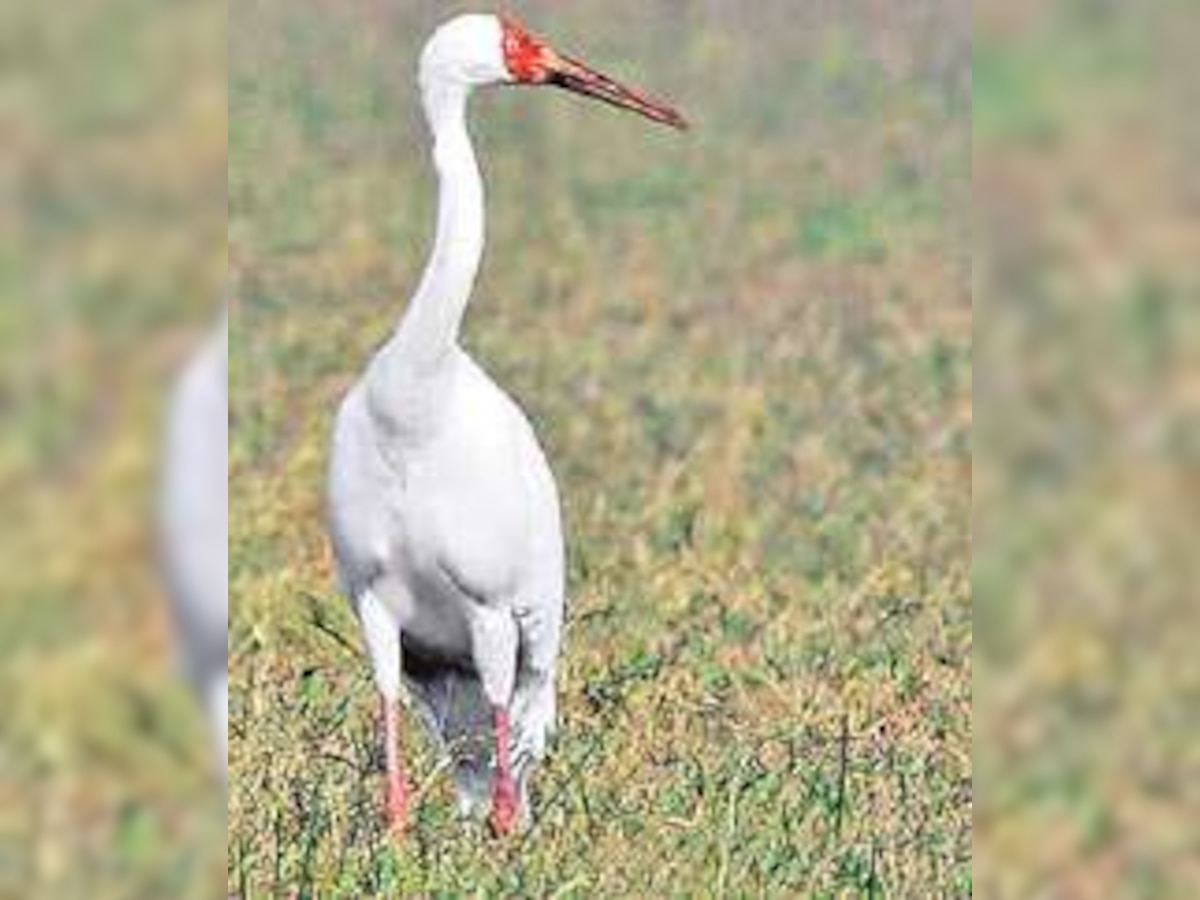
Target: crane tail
{"points": [[451, 705], [457, 717]]}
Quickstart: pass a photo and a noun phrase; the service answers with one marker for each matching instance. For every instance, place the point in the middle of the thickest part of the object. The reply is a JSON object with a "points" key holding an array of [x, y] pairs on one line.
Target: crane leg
{"points": [[397, 791], [495, 641], [505, 804], [381, 633]]}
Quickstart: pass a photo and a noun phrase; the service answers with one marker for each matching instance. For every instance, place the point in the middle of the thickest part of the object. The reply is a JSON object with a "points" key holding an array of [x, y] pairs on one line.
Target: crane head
{"points": [[531, 61]]}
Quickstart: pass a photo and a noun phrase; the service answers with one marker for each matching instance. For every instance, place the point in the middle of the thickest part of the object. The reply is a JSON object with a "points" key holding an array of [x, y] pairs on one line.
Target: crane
{"points": [[443, 512]]}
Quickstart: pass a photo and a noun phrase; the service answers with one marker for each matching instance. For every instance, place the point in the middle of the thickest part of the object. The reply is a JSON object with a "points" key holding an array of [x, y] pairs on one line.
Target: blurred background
{"points": [[1087, 262], [113, 151], [748, 352]]}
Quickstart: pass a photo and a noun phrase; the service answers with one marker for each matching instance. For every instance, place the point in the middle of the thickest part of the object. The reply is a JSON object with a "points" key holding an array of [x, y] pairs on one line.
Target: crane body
{"points": [[444, 514]]}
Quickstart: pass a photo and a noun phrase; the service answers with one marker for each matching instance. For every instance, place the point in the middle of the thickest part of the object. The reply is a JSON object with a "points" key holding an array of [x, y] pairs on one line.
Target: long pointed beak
{"points": [[572, 75]]}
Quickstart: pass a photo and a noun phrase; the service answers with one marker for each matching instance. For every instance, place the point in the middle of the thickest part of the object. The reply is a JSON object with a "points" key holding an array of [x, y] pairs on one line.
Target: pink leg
{"points": [[504, 791], [397, 782]]}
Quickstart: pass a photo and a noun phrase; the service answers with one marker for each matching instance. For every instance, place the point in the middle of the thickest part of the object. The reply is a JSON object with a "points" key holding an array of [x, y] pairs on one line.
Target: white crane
{"points": [[195, 524], [444, 514]]}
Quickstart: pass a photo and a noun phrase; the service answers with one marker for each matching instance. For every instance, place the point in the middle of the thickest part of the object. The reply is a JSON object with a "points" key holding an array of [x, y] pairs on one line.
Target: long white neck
{"points": [[410, 369], [428, 334]]}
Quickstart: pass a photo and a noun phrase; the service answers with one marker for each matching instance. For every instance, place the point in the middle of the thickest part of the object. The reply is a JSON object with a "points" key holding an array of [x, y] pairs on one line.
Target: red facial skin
{"points": [[527, 58], [532, 61]]}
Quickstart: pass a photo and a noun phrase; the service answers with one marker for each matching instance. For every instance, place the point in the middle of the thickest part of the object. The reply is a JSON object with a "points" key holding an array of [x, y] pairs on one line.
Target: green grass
{"points": [[747, 351]]}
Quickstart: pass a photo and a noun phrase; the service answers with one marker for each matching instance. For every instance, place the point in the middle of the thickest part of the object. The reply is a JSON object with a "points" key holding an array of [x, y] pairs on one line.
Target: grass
{"points": [[748, 353]]}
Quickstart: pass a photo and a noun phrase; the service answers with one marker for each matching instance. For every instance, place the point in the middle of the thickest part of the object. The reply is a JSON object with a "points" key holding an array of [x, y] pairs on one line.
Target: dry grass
{"points": [[748, 352]]}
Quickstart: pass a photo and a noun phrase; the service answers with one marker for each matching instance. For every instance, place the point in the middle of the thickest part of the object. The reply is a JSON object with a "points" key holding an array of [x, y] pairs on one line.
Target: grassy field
{"points": [[748, 352]]}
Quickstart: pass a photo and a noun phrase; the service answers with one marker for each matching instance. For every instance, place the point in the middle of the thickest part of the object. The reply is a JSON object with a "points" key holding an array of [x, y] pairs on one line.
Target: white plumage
{"points": [[443, 511]]}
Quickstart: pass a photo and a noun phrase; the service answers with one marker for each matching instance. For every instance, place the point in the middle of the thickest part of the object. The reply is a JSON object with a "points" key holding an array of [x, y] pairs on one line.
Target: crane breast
{"points": [[476, 508]]}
